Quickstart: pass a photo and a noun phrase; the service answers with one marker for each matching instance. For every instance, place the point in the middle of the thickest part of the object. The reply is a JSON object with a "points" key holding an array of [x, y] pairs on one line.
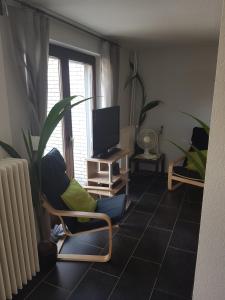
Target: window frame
{"points": [[64, 55]]}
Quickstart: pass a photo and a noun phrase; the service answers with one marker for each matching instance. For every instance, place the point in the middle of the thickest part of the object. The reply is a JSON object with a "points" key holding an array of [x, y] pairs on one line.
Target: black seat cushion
{"points": [[114, 207], [184, 172]]}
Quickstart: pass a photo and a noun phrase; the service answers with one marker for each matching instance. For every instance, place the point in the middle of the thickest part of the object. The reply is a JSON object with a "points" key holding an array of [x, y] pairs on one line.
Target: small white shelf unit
{"points": [[101, 180]]}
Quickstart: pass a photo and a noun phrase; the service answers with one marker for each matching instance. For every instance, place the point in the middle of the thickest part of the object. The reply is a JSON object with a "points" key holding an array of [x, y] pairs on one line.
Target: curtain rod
{"points": [[65, 21]]}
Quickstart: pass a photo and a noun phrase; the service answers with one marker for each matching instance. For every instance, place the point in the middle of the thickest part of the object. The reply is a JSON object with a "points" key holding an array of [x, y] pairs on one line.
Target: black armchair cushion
{"points": [[199, 140], [114, 207], [184, 172], [54, 178]]}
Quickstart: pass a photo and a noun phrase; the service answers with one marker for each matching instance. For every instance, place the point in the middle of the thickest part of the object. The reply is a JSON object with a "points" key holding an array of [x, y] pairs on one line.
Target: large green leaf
{"points": [[202, 156], [137, 77], [27, 145], [129, 80], [53, 119], [200, 167], [148, 106], [203, 124], [51, 122], [9, 149]]}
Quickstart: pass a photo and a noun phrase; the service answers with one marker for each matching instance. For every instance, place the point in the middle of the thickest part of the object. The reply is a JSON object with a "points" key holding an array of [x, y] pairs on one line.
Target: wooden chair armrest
{"points": [[76, 214]]}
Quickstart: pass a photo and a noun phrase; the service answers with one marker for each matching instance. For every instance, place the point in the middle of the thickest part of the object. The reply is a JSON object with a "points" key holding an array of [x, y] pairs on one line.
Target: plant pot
{"points": [[47, 253]]}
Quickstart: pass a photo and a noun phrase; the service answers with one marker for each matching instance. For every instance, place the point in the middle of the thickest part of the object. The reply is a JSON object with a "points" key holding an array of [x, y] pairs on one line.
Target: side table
{"points": [[160, 161]]}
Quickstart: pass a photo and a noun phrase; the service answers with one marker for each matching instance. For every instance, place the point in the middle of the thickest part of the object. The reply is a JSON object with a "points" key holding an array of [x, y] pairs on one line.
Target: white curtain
{"points": [[27, 38], [109, 74]]}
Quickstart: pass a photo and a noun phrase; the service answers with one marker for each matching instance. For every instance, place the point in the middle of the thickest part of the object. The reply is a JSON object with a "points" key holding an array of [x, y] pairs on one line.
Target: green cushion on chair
{"points": [[77, 198], [190, 165]]}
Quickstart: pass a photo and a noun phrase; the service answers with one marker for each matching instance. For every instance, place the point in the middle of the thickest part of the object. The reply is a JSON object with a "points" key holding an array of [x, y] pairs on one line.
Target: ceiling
{"points": [[143, 21]]}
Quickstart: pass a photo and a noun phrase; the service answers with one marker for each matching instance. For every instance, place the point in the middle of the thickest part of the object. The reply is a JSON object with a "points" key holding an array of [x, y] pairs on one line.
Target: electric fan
{"points": [[147, 139]]}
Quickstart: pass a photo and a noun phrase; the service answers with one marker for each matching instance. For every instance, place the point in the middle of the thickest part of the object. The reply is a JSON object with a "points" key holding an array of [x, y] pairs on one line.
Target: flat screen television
{"points": [[106, 130]]}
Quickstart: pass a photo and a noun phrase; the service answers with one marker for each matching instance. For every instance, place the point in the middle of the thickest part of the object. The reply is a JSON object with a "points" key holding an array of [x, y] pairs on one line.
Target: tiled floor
{"points": [[154, 252]]}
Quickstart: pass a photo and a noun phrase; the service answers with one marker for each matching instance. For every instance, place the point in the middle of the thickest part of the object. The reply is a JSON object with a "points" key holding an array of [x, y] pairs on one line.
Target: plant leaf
{"points": [[10, 150], [150, 105], [203, 124], [53, 119], [129, 80], [50, 122], [141, 119], [29, 151], [147, 107], [202, 156], [199, 166]]}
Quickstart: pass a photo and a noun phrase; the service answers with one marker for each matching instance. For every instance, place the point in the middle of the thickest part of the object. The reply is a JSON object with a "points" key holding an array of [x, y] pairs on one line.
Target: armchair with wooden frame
{"points": [[179, 173], [108, 213]]}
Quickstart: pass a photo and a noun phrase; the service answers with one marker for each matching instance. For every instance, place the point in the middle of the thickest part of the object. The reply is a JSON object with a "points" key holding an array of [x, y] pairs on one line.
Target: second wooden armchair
{"points": [[178, 173]]}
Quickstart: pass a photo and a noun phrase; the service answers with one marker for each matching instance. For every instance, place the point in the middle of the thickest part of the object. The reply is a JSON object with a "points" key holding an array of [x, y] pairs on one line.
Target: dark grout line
{"points": [[106, 273], [146, 260], [56, 286], [172, 294], [139, 240], [188, 221], [183, 250], [38, 284], [157, 277], [142, 212], [159, 228], [79, 281], [128, 236]]}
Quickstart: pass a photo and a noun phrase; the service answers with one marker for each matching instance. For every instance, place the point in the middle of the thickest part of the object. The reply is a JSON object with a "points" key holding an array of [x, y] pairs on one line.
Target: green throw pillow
{"points": [[77, 198], [190, 165]]}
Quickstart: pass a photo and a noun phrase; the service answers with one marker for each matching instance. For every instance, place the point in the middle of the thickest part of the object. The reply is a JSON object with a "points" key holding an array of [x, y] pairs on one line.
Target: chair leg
{"points": [[90, 258], [171, 186]]}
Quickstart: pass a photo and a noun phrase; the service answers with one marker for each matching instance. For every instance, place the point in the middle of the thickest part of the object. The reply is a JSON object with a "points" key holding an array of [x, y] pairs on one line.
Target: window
{"points": [[72, 73]]}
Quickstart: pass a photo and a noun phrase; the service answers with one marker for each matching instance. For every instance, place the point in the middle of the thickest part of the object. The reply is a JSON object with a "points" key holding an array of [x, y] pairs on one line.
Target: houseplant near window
{"points": [[34, 158], [145, 104]]}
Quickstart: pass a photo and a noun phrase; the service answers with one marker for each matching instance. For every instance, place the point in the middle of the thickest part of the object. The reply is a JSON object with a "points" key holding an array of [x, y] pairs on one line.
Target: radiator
{"points": [[18, 241]]}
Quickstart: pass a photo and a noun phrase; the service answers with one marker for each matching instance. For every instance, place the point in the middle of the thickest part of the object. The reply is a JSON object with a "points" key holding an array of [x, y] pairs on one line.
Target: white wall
{"points": [[72, 37], [183, 78], [210, 268], [5, 129]]}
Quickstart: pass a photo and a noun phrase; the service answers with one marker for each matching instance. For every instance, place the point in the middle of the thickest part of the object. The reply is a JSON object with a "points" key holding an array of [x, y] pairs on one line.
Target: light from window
{"points": [[54, 95], [80, 85]]}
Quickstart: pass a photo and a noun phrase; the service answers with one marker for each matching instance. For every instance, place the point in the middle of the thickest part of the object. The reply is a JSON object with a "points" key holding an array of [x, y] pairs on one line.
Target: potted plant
{"points": [[146, 105], [47, 249]]}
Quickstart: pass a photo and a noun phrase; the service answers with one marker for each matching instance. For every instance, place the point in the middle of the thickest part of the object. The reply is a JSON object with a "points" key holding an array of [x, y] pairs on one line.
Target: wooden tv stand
{"points": [[101, 180]]}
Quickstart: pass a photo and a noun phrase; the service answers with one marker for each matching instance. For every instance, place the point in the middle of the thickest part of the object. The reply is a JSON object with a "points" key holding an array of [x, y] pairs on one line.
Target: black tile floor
{"points": [[154, 251]]}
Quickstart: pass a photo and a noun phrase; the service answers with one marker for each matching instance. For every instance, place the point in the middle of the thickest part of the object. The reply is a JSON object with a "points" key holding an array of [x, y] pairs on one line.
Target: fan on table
{"points": [[147, 139]]}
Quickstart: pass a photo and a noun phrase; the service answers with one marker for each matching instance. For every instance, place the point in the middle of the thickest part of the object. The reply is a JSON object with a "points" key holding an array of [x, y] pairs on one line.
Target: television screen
{"points": [[106, 129]]}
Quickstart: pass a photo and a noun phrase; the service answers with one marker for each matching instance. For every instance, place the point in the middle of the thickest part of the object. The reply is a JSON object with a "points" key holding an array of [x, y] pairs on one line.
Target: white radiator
{"points": [[18, 242]]}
